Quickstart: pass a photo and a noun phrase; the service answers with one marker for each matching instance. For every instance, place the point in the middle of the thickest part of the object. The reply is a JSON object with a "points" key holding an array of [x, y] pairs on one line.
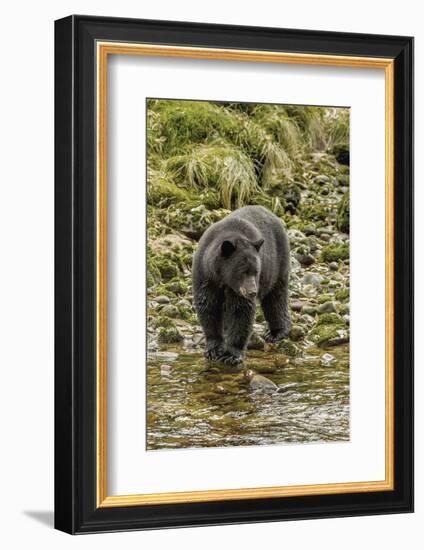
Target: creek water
{"points": [[193, 404]]}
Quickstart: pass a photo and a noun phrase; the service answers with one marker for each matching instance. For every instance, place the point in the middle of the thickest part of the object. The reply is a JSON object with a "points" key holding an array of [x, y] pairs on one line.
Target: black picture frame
{"points": [[76, 510]]}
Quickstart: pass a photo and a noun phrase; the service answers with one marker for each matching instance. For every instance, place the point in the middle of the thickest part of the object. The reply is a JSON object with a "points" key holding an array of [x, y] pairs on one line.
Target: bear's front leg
{"points": [[239, 314], [208, 302], [276, 311]]}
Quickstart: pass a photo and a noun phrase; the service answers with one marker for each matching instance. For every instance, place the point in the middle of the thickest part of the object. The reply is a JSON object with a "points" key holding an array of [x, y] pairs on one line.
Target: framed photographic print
{"points": [[234, 274]]}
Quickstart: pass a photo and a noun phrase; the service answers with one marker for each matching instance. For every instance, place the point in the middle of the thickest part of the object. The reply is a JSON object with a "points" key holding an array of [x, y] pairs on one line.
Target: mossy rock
{"points": [[329, 334], [169, 310], [177, 286], [335, 252], [342, 295], [169, 336], [344, 309], [163, 192], [343, 214], [288, 348], [163, 322], [186, 313], [167, 268], [322, 298], [329, 319], [153, 274]]}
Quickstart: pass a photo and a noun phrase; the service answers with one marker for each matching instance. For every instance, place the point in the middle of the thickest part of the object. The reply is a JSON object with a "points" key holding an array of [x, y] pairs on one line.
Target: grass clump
{"points": [[217, 165], [335, 252]]}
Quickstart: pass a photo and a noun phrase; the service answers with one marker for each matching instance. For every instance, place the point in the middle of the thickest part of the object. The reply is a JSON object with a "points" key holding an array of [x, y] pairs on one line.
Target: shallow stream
{"points": [[191, 404]]}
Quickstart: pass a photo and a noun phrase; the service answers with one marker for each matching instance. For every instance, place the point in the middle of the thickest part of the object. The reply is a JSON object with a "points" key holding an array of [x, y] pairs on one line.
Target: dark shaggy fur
{"points": [[240, 259]]}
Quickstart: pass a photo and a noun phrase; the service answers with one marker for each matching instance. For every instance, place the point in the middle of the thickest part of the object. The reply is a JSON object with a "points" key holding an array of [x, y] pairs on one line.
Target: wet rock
{"points": [[189, 345], [162, 299], [327, 307], [327, 359], [198, 338], [152, 345], [260, 383], [165, 370], [288, 348], [256, 342], [162, 355]]}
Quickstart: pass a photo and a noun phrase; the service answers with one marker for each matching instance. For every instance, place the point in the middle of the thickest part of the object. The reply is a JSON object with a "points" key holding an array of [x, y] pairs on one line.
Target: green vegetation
{"points": [[205, 159]]}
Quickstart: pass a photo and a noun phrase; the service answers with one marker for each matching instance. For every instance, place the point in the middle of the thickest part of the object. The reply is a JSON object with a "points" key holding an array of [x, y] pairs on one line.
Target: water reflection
{"points": [[272, 400]]}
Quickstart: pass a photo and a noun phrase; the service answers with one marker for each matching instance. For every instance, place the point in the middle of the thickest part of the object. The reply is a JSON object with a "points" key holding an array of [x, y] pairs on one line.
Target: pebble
{"points": [[165, 370], [312, 279], [261, 383], [327, 307], [327, 359], [162, 300], [162, 355], [305, 259], [170, 311], [334, 266]]}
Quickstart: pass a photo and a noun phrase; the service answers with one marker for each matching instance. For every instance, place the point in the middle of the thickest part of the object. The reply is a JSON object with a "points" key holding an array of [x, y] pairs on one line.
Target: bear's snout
{"points": [[249, 287]]}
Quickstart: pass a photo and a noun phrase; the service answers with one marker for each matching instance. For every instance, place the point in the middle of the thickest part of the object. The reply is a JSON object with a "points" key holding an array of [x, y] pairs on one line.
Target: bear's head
{"points": [[240, 265]]}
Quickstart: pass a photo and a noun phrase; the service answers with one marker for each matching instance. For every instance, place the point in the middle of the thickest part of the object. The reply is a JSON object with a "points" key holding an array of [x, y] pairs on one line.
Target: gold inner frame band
{"points": [[104, 49]]}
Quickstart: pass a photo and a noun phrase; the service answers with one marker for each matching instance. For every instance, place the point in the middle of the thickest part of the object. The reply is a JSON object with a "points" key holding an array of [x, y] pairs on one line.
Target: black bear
{"points": [[242, 258]]}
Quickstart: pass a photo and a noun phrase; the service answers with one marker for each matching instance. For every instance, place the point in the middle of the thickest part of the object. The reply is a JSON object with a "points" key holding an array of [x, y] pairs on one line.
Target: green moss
{"points": [[185, 312], [342, 294], [322, 298], [329, 319], [177, 286], [153, 273], [167, 268], [329, 334], [288, 348], [163, 322], [335, 252], [163, 192], [169, 336], [344, 309], [343, 214]]}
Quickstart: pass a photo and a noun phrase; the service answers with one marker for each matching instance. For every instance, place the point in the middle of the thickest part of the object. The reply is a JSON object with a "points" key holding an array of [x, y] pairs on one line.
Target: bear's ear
{"points": [[258, 244], [227, 248]]}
